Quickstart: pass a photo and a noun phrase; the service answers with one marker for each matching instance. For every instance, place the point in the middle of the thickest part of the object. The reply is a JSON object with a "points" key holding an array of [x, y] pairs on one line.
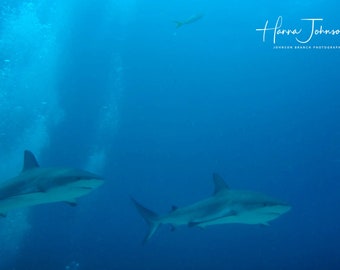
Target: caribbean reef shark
{"points": [[224, 206], [36, 185], [190, 20]]}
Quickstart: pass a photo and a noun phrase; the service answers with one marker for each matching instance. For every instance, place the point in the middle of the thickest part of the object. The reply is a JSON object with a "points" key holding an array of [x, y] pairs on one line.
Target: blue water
{"points": [[115, 88]]}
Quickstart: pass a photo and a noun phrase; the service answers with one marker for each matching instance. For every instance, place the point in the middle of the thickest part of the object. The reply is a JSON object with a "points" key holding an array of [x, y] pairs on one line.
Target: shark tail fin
{"points": [[178, 24], [150, 217]]}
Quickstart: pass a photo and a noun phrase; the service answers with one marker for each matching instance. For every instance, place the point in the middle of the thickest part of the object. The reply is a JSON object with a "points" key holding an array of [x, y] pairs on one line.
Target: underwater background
{"points": [[113, 87]]}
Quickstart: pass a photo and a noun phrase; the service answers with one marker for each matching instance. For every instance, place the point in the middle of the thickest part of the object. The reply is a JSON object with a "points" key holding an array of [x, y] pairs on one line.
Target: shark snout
{"points": [[92, 181], [285, 207]]}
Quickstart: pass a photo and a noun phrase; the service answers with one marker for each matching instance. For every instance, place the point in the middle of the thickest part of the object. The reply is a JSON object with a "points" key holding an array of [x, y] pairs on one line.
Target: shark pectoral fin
{"points": [[231, 213], [196, 224], [193, 224], [3, 215], [202, 224], [41, 189], [265, 224], [72, 203]]}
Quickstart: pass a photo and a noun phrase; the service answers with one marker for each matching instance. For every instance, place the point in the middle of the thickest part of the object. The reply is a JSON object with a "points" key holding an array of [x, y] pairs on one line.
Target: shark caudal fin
{"points": [[150, 217]]}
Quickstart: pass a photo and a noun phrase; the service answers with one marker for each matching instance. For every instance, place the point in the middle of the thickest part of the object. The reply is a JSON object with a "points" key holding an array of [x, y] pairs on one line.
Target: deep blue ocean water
{"points": [[115, 88]]}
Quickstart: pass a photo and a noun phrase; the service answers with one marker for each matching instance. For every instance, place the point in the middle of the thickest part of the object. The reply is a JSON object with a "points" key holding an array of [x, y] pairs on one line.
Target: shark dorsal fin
{"points": [[219, 183], [30, 161]]}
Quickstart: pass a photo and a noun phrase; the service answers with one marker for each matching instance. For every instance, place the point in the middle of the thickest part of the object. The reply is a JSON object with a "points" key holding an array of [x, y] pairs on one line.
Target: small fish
{"points": [[190, 20]]}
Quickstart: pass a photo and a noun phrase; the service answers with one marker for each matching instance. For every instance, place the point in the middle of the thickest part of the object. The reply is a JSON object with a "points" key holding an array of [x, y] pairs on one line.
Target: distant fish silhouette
{"points": [[190, 20]]}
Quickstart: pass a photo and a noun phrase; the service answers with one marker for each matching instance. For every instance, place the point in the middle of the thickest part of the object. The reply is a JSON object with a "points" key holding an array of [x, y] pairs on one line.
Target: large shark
{"points": [[224, 206], [36, 185]]}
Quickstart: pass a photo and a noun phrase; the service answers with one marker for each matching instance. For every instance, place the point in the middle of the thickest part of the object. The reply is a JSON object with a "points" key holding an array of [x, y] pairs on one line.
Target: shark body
{"points": [[190, 20], [224, 206], [36, 185]]}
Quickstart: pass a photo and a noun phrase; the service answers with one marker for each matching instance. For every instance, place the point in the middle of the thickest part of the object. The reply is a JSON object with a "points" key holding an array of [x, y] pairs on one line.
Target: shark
{"points": [[192, 19], [224, 206], [39, 185]]}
